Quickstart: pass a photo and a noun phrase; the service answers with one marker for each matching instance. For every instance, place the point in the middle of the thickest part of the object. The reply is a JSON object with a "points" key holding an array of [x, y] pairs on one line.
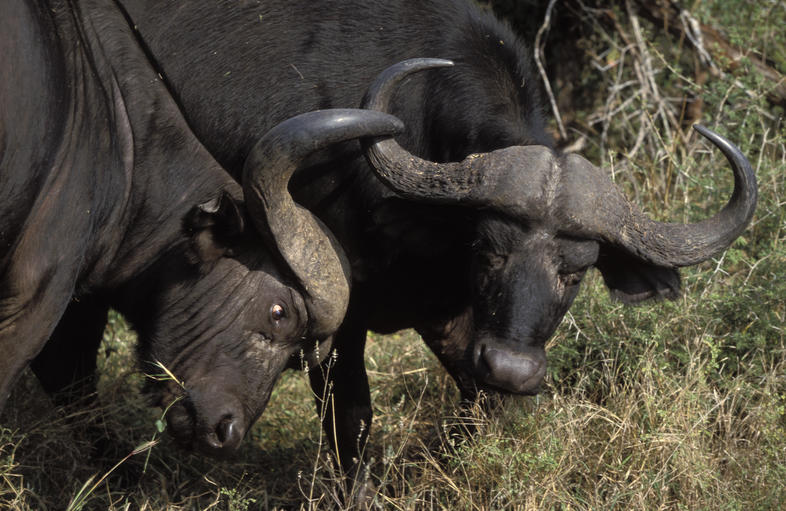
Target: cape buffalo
{"points": [[483, 257], [107, 199]]}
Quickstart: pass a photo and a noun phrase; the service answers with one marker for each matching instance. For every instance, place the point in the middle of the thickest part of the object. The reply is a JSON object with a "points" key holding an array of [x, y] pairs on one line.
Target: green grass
{"points": [[671, 405]]}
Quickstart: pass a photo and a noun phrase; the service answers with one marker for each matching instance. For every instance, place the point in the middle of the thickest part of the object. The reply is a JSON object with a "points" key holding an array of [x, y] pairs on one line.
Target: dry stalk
{"points": [[538, 53]]}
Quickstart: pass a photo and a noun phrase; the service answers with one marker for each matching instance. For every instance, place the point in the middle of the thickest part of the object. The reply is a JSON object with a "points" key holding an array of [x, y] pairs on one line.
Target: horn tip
{"points": [[703, 130], [420, 64]]}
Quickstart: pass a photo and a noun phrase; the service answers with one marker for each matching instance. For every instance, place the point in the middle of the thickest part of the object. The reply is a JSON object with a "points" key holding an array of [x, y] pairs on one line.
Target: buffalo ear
{"points": [[632, 280], [213, 227]]}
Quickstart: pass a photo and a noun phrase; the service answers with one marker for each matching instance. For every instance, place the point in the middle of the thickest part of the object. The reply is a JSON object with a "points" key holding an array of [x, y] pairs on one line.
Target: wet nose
{"points": [[225, 436], [519, 370], [208, 421]]}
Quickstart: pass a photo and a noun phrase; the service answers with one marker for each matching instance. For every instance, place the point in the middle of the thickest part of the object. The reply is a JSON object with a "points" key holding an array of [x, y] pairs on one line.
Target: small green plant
{"points": [[234, 500]]}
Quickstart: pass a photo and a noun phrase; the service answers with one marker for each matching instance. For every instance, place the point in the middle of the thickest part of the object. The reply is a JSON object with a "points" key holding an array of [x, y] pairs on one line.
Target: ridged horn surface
{"points": [[306, 244]]}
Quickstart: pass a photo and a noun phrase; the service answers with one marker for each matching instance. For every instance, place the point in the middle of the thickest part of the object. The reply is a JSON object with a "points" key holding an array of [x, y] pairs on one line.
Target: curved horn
{"points": [[591, 203], [305, 243], [408, 175], [532, 182], [482, 180]]}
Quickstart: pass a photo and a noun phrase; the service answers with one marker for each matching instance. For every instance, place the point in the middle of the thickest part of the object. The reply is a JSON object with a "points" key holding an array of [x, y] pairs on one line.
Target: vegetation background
{"points": [[671, 405]]}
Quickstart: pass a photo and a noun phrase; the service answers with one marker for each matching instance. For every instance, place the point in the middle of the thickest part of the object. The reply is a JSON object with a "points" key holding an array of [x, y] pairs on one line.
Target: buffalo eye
{"points": [[572, 279], [493, 261], [277, 312]]}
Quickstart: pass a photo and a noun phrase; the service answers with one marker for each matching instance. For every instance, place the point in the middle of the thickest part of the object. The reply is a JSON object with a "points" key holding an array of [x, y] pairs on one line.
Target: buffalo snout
{"points": [[519, 370], [210, 421]]}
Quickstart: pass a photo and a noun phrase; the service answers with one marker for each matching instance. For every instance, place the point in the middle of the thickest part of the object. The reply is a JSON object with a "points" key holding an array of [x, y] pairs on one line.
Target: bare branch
{"points": [[538, 56]]}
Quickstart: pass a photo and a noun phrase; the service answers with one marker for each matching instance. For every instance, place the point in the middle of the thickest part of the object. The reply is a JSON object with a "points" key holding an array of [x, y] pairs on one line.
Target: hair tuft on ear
{"points": [[213, 225]]}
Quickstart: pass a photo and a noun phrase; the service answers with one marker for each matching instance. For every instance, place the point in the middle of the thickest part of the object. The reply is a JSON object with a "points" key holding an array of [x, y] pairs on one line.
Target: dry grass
{"points": [[678, 405]]}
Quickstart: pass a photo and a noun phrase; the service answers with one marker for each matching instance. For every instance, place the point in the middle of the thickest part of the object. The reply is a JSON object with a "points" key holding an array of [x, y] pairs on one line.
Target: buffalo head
{"points": [[542, 220], [228, 317]]}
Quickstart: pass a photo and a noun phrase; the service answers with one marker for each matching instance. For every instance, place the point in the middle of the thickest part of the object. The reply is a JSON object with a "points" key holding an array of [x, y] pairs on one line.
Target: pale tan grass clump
{"points": [[657, 441]]}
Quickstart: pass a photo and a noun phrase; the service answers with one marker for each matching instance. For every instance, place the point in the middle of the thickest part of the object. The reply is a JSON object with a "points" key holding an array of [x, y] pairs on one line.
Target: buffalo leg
{"points": [[27, 321], [68, 361], [39, 275], [343, 397]]}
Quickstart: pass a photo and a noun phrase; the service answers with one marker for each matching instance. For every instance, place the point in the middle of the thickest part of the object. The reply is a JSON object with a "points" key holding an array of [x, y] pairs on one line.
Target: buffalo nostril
{"points": [[511, 370], [225, 430], [227, 434], [509, 366], [481, 363]]}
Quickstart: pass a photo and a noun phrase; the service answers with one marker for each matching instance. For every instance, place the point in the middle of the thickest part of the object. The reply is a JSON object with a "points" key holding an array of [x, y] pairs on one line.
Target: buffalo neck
{"points": [[139, 167]]}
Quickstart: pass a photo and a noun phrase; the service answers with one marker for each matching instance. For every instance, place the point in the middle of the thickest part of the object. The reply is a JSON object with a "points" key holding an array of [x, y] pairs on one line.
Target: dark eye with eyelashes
{"points": [[492, 261], [571, 279], [277, 312]]}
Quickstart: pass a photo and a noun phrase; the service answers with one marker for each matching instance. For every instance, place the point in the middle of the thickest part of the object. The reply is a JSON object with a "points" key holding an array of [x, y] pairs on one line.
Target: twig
{"points": [[538, 51], [692, 30], [648, 77], [709, 41]]}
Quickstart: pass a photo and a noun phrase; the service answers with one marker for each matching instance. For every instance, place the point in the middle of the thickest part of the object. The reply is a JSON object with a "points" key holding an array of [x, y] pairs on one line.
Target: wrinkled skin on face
{"points": [[224, 323], [523, 280], [233, 359], [527, 280], [226, 318]]}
